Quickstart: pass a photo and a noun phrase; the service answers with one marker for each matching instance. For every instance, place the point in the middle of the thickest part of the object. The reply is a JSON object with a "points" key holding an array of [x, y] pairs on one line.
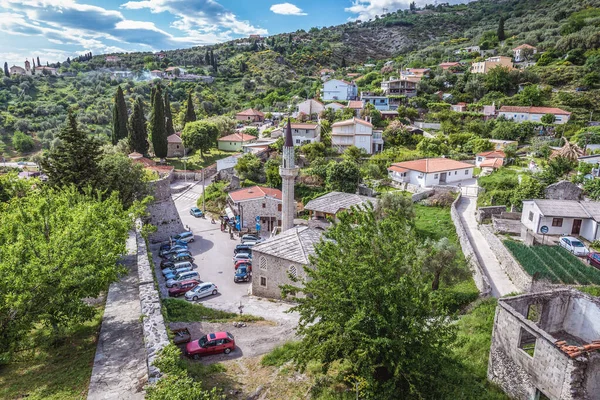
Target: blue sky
{"points": [[55, 29]]}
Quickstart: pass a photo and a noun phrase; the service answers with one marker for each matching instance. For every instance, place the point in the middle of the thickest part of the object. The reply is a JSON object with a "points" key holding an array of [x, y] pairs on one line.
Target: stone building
{"points": [[327, 207], [281, 256], [254, 204], [563, 190], [545, 346], [175, 146]]}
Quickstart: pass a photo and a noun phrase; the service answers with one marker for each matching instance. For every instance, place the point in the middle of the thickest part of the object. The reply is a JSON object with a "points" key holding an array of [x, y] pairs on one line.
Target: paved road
{"points": [[500, 282]]}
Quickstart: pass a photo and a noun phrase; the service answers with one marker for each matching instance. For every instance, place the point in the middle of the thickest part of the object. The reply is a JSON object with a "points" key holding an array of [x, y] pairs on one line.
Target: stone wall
{"points": [[484, 213], [163, 213], [481, 280], [276, 274], [153, 323], [521, 279], [422, 195]]}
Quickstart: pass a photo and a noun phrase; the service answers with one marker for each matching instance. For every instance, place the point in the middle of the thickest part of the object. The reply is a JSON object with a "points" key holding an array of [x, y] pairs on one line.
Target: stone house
{"points": [[175, 146], [563, 190], [250, 115], [335, 106], [235, 141], [257, 204], [327, 207], [281, 256], [16, 70], [545, 346]]}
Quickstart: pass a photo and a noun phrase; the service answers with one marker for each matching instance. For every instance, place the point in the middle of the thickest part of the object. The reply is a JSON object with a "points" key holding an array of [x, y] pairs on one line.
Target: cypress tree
{"points": [[501, 35], [6, 71], [168, 116], [138, 135], [152, 94], [190, 114], [119, 117], [75, 159], [158, 132], [207, 58], [38, 61]]}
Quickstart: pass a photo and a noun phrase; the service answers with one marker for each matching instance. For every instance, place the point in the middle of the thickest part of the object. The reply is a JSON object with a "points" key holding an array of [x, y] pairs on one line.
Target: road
{"points": [[17, 165]]}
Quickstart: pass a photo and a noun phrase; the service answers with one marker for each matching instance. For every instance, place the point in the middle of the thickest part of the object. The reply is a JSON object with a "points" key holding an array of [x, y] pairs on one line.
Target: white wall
{"points": [[529, 206], [588, 229], [335, 90], [310, 107], [364, 142], [520, 117]]}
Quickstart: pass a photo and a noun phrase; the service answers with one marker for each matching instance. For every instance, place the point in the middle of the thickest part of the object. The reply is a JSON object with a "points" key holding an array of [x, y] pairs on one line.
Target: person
{"points": [[212, 221]]}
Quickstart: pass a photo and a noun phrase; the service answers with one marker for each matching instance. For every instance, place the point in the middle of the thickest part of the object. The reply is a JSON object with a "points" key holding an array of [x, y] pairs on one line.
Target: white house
{"points": [[336, 89], [562, 217], [489, 155], [429, 172], [310, 107], [16, 70], [335, 106], [352, 132], [470, 49], [533, 114], [519, 53], [305, 133]]}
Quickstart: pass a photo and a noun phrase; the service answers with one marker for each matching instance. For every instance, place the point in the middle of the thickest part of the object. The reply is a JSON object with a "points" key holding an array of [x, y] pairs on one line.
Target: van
{"points": [[182, 277]]}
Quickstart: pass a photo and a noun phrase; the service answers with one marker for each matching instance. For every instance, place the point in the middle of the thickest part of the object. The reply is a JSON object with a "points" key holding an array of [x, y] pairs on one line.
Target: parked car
{"points": [[243, 248], [250, 237], [184, 237], [174, 273], [241, 256], [253, 242], [168, 244], [178, 265], [573, 245], [181, 335], [594, 259], [203, 290], [174, 249], [243, 263], [182, 287], [173, 258], [184, 276], [213, 343], [196, 212], [242, 274]]}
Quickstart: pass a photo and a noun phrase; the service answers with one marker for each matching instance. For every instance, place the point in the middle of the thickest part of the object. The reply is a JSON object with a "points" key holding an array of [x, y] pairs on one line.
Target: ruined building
{"points": [[547, 346]]}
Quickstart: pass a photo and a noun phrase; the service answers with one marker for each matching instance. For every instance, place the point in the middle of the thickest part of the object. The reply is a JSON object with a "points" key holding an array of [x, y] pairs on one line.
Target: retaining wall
{"points": [[484, 213], [422, 195], [163, 213], [481, 280], [521, 279]]}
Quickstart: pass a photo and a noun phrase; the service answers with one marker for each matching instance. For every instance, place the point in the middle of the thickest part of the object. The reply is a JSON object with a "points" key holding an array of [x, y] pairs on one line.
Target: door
{"points": [[443, 177], [576, 227]]}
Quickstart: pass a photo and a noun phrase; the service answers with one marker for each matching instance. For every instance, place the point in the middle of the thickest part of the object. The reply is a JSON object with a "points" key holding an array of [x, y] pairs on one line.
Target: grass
{"points": [[49, 371], [435, 223], [280, 354], [553, 263], [184, 311]]}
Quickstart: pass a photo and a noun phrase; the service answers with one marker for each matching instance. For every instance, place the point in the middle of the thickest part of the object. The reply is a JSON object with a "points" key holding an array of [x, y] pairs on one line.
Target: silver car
{"points": [[202, 290], [182, 277], [241, 256]]}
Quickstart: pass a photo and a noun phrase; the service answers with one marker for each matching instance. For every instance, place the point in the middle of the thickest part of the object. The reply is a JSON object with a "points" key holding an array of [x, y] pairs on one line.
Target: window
{"points": [[466, 172], [279, 207], [435, 176], [534, 312], [540, 396], [455, 172], [262, 263], [527, 342], [297, 141], [557, 221], [293, 271], [264, 205], [263, 281], [531, 215]]}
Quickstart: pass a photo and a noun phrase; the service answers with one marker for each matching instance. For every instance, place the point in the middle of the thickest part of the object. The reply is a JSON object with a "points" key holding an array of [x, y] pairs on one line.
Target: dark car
{"points": [[213, 343], [167, 245], [243, 263], [242, 274], [182, 287], [243, 248], [172, 250], [174, 258], [594, 259], [250, 238]]}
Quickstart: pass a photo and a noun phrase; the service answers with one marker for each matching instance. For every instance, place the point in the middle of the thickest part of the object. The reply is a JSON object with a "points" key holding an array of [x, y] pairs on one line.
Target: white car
{"points": [[573, 245], [185, 237], [182, 277], [241, 256], [202, 290]]}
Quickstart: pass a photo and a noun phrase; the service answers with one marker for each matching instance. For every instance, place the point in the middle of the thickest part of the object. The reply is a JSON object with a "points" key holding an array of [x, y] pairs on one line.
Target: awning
{"points": [[229, 213]]}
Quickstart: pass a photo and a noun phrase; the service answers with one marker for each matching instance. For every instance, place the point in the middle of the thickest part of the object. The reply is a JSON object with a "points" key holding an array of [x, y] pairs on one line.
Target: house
{"points": [[404, 86], [255, 37], [415, 73], [545, 345], [389, 115], [310, 107], [489, 155], [326, 71], [470, 49], [352, 132], [175, 146], [46, 70], [251, 115], [355, 105], [156, 73], [305, 133], [459, 107], [170, 70], [520, 51], [500, 144], [276, 133], [160, 55], [327, 207], [449, 65], [563, 190], [562, 217], [281, 256], [533, 114], [489, 112], [335, 106], [235, 141], [336, 89], [15, 70], [429, 172], [483, 67], [112, 59], [256, 203], [377, 141], [490, 165], [381, 103]]}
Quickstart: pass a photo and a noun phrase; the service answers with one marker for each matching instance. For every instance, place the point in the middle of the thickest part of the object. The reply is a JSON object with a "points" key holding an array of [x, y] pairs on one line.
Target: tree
{"points": [[441, 262], [157, 127], [500, 34], [176, 71], [343, 177], [528, 188], [272, 172], [249, 167], [57, 248], [22, 143], [199, 135], [119, 123], [366, 302], [343, 62], [190, 114], [354, 154], [6, 71], [498, 79], [548, 119], [118, 174], [74, 160], [38, 62], [433, 147], [396, 134], [592, 188], [313, 150], [168, 116], [138, 135]]}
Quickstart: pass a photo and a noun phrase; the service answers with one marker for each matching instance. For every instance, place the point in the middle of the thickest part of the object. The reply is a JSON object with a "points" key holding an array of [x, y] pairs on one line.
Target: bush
{"points": [[22, 143], [183, 311], [280, 354]]}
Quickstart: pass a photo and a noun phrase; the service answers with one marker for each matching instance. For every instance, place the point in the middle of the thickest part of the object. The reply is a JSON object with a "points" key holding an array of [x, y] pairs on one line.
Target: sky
{"points": [[56, 29]]}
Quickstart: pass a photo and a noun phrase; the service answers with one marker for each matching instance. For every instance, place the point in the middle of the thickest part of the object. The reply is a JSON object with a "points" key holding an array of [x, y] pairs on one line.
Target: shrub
{"points": [[22, 143]]}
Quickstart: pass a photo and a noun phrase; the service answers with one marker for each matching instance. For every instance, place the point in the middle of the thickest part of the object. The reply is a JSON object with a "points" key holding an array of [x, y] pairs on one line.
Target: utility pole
{"points": [[203, 203], [184, 166]]}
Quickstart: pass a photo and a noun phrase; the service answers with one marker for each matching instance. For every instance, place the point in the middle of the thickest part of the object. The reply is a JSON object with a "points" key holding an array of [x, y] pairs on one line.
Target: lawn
{"points": [[184, 311], [434, 222], [195, 162], [553, 263], [58, 371]]}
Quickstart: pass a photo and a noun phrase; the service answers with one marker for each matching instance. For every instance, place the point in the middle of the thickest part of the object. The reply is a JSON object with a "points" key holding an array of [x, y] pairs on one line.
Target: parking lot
{"points": [[213, 251]]}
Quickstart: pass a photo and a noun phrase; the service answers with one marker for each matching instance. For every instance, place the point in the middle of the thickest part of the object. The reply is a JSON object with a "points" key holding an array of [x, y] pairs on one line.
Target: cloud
{"points": [[368, 9], [286, 9]]}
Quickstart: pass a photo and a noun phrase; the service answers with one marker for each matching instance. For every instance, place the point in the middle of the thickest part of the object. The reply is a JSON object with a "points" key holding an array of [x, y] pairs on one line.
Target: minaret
{"points": [[288, 172]]}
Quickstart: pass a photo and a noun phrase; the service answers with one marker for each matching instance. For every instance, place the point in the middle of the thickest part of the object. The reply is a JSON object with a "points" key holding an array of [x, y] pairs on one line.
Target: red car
{"points": [[213, 343], [243, 262], [594, 259], [182, 287]]}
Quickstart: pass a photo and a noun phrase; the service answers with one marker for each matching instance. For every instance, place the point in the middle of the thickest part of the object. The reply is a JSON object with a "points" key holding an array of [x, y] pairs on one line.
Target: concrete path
{"points": [[120, 370], [500, 282]]}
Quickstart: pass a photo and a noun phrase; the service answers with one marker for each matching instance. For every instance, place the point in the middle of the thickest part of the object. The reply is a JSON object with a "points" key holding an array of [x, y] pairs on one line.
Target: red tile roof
{"points": [[524, 46], [254, 192], [355, 104], [493, 154], [492, 163], [352, 121], [534, 110], [250, 112], [237, 137], [304, 126], [449, 64], [397, 169], [428, 165]]}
